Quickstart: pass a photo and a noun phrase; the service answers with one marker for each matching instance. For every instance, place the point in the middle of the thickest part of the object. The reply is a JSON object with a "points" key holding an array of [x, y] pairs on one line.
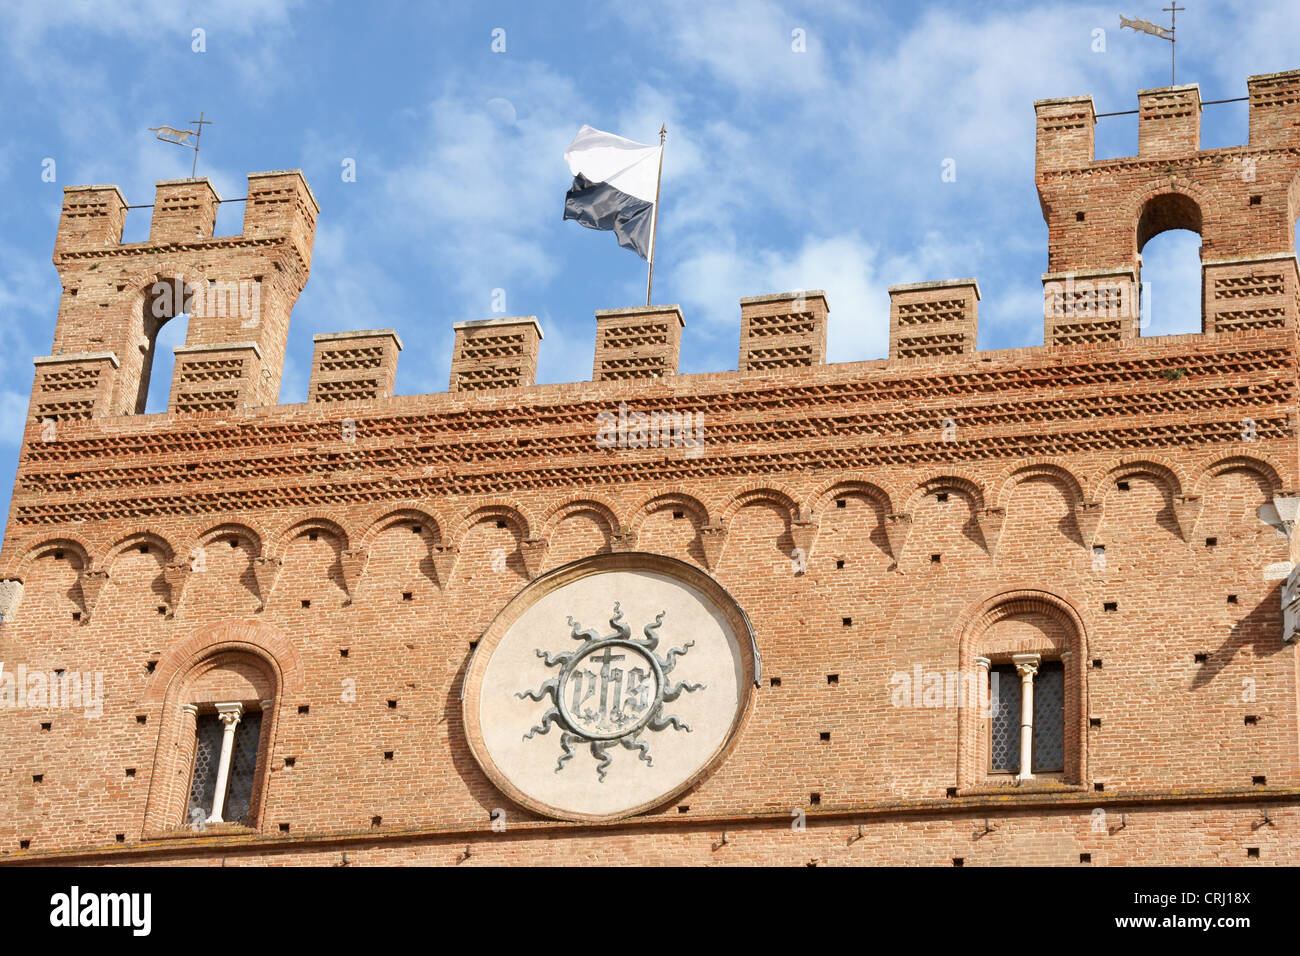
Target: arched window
{"points": [[158, 380], [1169, 243], [164, 301], [219, 718], [220, 689], [1025, 649]]}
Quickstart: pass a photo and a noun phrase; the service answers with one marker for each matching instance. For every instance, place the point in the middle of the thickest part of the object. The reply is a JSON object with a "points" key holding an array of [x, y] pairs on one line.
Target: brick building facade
{"points": [[293, 606]]}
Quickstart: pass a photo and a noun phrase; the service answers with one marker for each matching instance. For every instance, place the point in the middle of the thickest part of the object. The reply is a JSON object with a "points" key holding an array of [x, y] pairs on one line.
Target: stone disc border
{"points": [[577, 570]]}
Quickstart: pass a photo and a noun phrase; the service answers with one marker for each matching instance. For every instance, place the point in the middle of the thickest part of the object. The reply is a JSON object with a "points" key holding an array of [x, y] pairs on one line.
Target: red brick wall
{"points": [[406, 523]]}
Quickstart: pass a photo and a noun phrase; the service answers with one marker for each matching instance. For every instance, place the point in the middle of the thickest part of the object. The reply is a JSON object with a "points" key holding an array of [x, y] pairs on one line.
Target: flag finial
{"points": [[1138, 25], [180, 137]]}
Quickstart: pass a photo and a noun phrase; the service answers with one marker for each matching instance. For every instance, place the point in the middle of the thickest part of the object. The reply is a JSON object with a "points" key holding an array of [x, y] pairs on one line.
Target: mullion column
{"points": [[230, 715], [1027, 667]]}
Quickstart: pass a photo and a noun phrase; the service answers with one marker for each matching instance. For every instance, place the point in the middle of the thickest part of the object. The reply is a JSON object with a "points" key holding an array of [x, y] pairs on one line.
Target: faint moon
{"points": [[501, 110]]}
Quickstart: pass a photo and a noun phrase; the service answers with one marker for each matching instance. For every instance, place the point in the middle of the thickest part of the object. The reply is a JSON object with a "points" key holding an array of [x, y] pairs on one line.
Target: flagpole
{"points": [[654, 215]]}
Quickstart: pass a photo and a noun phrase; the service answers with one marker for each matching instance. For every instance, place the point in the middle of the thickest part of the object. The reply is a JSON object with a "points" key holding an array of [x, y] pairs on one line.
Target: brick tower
{"points": [[1100, 213], [237, 290]]}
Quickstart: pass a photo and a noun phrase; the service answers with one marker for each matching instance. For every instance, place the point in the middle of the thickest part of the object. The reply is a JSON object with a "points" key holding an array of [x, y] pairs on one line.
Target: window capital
{"points": [[1027, 664], [230, 714]]}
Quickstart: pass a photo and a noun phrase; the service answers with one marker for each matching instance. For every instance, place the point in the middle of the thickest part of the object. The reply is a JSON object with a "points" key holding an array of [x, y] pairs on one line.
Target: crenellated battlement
{"points": [[183, 210], [1243, 201], [239, 290], [93, 217], [1275, 109], [1169, 122], [280, 205], [933, 318]]}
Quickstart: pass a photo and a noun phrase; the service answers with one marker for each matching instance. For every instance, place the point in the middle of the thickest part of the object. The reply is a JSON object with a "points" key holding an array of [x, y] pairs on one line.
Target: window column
{"points": [[229, 715], [1027, 667], [189, 731], [984, 702]]}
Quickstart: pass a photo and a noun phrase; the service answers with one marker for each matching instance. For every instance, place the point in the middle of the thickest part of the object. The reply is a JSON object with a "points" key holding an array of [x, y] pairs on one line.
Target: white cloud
{"points": [[141, 22], [716, 277], [747, 44], [484, 191], [62, 53]]}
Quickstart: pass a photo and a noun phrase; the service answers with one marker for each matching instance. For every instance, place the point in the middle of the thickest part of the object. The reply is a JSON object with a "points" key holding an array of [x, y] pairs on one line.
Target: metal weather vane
{"points": [[599, 704], [1164, 33], [180, 137]]}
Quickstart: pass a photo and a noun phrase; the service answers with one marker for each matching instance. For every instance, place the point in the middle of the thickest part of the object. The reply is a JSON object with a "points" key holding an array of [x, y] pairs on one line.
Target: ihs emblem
{"points": [[609, 690]]}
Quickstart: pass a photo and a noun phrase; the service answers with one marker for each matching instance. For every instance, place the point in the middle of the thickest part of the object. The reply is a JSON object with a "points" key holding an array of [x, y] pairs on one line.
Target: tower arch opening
{"points": [[165, 300], [1169, 246]]}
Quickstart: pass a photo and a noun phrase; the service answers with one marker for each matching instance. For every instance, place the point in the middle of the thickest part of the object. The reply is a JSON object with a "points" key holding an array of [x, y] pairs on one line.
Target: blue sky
{"points": [[784, 169]]}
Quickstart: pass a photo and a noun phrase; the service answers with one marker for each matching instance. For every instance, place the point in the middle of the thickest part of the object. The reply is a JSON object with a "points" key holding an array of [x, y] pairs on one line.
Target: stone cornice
{"points": [[138, 249], [77, 357], [1206, 157], [231, 839]]}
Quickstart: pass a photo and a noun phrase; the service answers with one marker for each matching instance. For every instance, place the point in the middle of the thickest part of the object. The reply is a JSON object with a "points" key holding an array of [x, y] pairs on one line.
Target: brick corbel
{"points": [[266, 570], [177, 575], [1087, 515], [92, 587], [534, 554], [444, 559], [624, 540], [990, 522], [713, 538], [1187, 509], [803, 531], [898, 527], [354, 565]]}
